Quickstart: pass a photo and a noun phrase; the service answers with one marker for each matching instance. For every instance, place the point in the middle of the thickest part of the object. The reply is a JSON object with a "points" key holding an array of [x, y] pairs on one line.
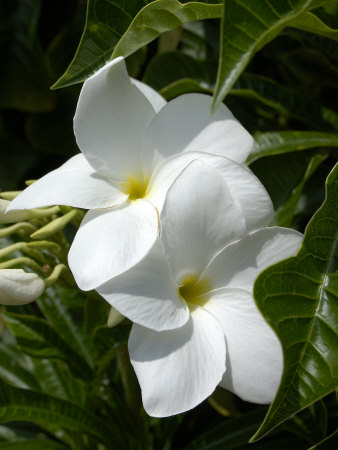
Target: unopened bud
{"points": [[18, 287], [114, 318], [12, 216]]}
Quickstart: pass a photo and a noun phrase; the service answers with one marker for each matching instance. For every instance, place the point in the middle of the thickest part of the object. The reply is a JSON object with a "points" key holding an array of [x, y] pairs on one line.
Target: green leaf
{"points": [[167, 68], [33, 444], [289, 102], [299, 299], [284, 214], [112, 30], [24, 78], [31, 406], [311, 423], [12, 372], [281, 174], [37, 338], [55, 379], [161, 16], [53, 306], [276, 143], [310, 22], [183, 86], [246, 27]]}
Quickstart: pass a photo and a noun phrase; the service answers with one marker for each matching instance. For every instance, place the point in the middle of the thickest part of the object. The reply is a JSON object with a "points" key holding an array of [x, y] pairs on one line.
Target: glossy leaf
{"points": [[37, 338], [310, 22], [112, 30], [246, 27], [275, 143], [21, 404], [161, 16], [299, 299]]}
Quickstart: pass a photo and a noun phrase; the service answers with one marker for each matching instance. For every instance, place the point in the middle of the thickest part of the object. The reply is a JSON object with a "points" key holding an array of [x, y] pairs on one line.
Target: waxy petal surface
{"points": [[111, 241], [185, 124], [242, 183], [155, 99], [147, 294], [198, 219], [75, 183], [254, 355], [111, 118], [238, 264], [180, 368]]}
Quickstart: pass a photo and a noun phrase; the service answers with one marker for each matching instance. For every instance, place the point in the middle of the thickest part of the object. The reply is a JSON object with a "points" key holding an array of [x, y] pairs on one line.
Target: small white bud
{"points": [[18, 287], [11, 216]]}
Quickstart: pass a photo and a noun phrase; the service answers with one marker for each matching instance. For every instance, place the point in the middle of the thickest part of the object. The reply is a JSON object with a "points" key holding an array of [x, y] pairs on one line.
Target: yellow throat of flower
{"points": [[194, 290], [136, 187]]}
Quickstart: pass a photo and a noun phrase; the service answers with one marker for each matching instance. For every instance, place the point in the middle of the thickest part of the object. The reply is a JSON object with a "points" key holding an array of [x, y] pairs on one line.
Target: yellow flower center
{"points": [[195, 291], [136, 187]]}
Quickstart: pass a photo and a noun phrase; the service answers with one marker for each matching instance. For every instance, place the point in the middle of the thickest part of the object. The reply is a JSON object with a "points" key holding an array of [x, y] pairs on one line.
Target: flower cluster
{"points": [[174, 238]]}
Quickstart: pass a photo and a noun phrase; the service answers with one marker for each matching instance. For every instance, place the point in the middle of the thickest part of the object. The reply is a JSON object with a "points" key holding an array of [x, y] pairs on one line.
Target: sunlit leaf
{"points": [[275, 143], [246, 27], [299, 299], [112, 30]]}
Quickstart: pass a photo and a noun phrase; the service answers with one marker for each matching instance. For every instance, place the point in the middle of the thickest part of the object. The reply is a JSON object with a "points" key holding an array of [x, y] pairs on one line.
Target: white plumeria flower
{"points": [[133, 146], [18, 287], [196, 323]]}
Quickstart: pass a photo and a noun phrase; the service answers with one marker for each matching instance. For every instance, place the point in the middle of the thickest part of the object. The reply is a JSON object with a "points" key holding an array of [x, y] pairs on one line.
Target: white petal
{"points": [[247, 190], [198, 219], [110, 242], [185, 124], [147, 294], [111, 118], [75, 183], [180, 368], [18, 287], [238, 265], [254, 354], [242, 183], [155, 99]]}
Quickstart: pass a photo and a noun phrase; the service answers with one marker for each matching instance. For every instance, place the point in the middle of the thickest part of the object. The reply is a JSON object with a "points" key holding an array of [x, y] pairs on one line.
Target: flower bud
{"points": [[18, 287], [11, 216]]}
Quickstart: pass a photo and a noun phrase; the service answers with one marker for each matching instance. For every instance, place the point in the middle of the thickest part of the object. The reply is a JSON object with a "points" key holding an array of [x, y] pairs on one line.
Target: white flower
{"points": [[196, 323], [133, 146], [18, 287]]}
